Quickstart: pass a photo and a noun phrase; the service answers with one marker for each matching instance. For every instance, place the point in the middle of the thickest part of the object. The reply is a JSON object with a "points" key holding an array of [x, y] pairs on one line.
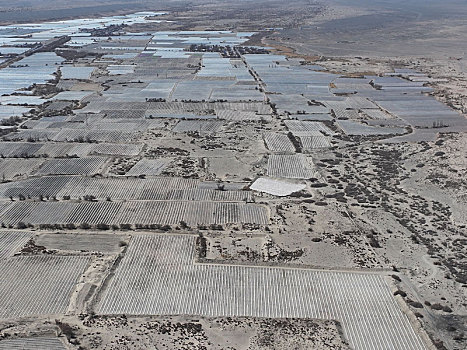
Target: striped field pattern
{"points": [[310, 143], [296, 166], [377, 114], [278, 142], [346, 114], [37, 343], [12, 241], [149, 167], [202, 126], [236, 115], [4, 206], [79, 166], [120, 188], [38, 285], [136, 212], [158, 277], [11, 168], [307, 128], [116, 149]]}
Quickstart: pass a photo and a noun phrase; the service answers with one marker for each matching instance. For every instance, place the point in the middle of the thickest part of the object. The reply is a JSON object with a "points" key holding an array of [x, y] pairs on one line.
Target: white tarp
{"points": [[276, 187]]}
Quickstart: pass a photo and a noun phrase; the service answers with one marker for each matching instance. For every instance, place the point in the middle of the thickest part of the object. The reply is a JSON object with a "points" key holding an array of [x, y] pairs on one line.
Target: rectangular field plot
{"points": [[311, 143], [19, 149], [124, 114], [229, 114], [307, 128], [346, 114], [12, 241], [37, 285], [148, 167], [78, 135], [32, 135], [296, 166], [17, 168], [136, 212], [53, 150], [158, 276], [160, 188], [4, 206], [199, 107], [115, 149], [126, 189], [278, 142], [39, 212], [34, 187], [354, 128], [201, 126], [377, 114], [193, 213], [37, 343], [71, 166]]}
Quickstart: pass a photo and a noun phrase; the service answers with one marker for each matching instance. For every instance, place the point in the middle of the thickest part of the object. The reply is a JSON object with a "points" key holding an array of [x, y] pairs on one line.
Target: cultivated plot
{"points": [[278, 142], [296, 166], [307, 128], [36, 343], [12, 241], [34, 187], [116, 149], [18, 149], [354, 128], [38, 285], [310, 143], [136, 212], [17, 168], [158, 277], [149, 167], [377, 114], [229, 114], [201, 126], [71, 166]]}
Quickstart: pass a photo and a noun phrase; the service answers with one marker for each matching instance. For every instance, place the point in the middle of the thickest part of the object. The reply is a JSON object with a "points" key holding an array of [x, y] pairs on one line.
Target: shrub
{"points": [[102, 226], [85, 226], [21, 225]]}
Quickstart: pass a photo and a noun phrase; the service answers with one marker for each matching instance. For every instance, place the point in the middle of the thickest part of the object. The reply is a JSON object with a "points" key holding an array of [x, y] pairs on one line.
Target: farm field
{"points": [[135, 213], [23, 291], [278, 142], [12, 242], [18, 168], [197, 176], [32, 344], [290, 166], [246, 291]]}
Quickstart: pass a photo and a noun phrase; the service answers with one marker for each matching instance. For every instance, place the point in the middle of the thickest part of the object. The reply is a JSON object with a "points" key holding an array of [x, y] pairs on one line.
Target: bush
{"points": [[21, 225], [66, 329], [401, 293], [184, 225], [397, 278], [416, 304], [85, 226]]}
